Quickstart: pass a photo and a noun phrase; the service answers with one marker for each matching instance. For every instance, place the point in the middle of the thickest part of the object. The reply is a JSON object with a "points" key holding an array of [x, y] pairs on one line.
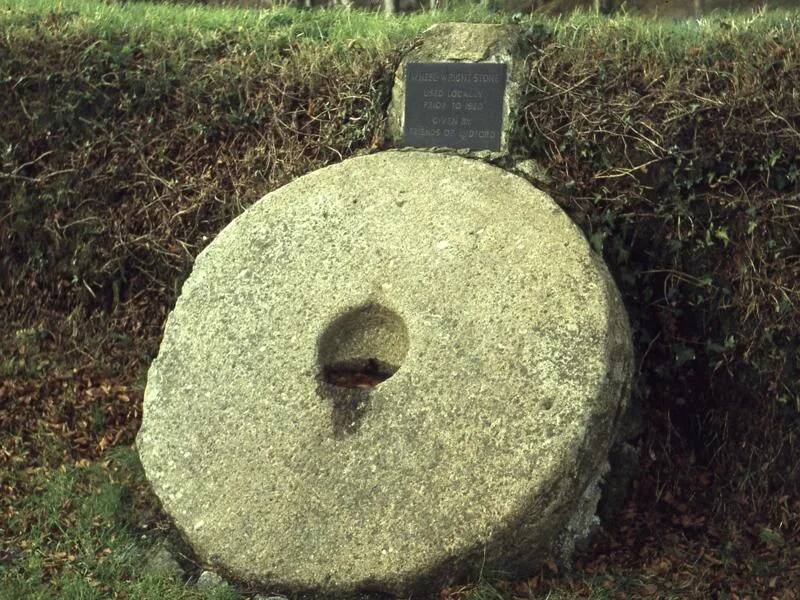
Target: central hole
{"points": [[362, 347], [359, 350]]}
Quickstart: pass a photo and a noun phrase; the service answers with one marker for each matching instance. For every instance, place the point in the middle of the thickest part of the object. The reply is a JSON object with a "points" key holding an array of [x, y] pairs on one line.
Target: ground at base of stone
{"points": [[71, 481]]}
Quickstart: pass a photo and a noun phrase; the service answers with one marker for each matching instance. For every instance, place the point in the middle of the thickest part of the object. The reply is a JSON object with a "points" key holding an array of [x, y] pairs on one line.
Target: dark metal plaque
{"points": [[454, 105]]}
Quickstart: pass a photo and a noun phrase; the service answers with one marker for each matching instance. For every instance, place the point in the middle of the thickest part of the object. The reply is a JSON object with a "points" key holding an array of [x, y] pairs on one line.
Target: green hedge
{"points": [[130, 135]]}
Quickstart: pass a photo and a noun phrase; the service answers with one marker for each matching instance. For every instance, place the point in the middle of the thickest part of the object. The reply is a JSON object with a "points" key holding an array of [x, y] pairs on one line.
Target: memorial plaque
{"points": [[454, 105]]}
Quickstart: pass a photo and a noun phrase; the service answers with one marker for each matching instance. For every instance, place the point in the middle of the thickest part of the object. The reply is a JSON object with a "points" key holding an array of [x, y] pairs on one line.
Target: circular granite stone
{"points": [[388, 374]]}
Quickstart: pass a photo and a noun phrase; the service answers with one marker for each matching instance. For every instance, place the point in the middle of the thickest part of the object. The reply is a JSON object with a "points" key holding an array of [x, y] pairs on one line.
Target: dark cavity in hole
{"points": [[361, 374]]}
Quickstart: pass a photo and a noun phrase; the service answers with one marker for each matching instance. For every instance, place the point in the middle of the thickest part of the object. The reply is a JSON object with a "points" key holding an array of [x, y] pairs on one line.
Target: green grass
{"points": [[79, 534], [253, 28]]}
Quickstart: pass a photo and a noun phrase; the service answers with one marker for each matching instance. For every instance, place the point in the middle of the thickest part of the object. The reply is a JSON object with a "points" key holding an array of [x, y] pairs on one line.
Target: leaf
{"points": [[722, 234], [771, 537], [597, 240]]}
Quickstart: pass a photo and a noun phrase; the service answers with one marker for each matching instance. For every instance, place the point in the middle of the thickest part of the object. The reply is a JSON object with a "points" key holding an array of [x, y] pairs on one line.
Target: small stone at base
{"points": [[209, 580]]}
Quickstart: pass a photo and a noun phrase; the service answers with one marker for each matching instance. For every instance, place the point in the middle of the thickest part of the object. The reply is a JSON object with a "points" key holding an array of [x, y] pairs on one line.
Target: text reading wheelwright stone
{"points": [[455, 77], [454, 105]]}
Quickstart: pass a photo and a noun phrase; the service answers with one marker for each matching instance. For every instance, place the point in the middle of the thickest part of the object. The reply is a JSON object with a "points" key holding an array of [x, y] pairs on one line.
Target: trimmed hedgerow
{"points": [[127, 140], [678, 152]]}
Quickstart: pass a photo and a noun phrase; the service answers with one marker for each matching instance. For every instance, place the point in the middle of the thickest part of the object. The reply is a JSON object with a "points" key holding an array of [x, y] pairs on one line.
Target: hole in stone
{"points": [[363, 347], [358, 351]]}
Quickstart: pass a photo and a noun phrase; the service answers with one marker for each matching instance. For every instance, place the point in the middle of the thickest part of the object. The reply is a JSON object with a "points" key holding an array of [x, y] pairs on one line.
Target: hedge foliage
{"points": [[682, 163], [127, 140]]}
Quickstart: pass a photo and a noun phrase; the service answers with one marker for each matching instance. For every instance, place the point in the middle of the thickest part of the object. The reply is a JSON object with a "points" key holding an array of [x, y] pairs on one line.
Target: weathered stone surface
{"points": [[464, 43], [514, 363]]}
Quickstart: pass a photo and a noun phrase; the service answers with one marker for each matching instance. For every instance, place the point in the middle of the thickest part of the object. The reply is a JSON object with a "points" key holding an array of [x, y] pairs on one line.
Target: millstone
{"points": [[386, 375]]}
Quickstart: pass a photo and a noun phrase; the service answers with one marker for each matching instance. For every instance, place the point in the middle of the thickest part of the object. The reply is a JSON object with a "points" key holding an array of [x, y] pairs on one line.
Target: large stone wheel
{"points": [[505, 356]]}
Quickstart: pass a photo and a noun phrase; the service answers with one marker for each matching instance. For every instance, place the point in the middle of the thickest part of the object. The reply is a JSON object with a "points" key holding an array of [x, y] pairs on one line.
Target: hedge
{"points": [[129, 137]]}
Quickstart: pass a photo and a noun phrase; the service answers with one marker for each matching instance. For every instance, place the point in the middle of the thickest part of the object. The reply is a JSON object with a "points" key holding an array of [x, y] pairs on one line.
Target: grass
{"points": [[83, 532], [339, 28], [255, 29], [81, 513]]}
